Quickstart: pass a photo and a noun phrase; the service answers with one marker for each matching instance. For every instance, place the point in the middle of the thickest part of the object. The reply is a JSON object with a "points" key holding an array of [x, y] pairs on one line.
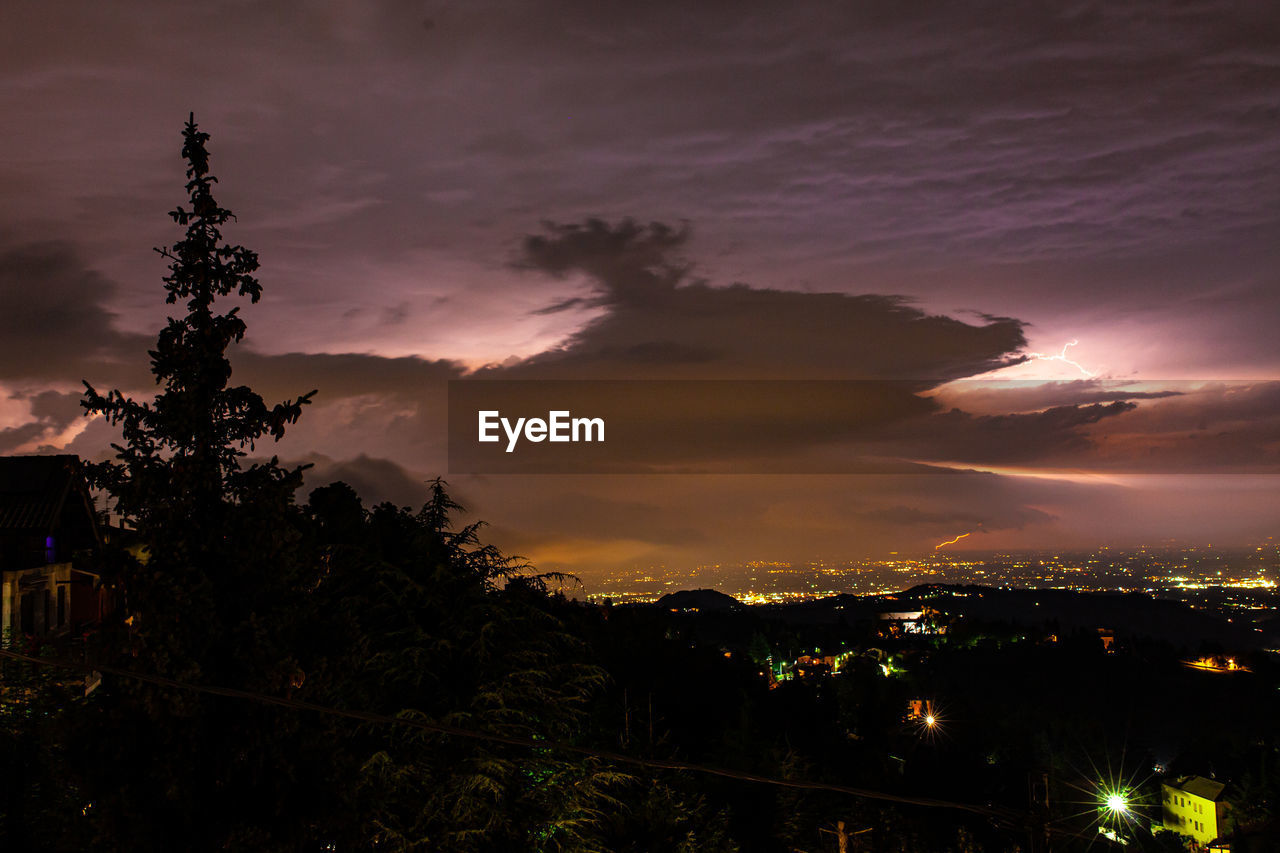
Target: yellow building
{"points": [[1193, 806]]}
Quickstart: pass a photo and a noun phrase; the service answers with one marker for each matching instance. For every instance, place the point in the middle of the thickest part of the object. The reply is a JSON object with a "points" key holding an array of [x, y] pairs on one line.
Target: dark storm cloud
{"points": [[1010, 396], [655, 307], [51, 412], [1195, 427], [662, 322], [1209, 405], [1017, 439], [15, 438], [1210, 426], [55, 323]]}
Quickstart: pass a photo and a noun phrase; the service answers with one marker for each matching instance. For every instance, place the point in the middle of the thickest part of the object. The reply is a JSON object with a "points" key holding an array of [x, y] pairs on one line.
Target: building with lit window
{"points": [[46, 517], [1193, 806]]}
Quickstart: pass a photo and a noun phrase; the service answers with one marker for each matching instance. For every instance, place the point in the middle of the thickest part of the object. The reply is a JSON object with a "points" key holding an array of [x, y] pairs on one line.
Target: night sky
{"points": [[693, 191]]}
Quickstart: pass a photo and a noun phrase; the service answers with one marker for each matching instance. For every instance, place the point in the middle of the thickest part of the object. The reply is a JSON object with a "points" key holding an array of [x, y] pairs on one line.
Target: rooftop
{"points": [[1199, 786], [33, 490]]}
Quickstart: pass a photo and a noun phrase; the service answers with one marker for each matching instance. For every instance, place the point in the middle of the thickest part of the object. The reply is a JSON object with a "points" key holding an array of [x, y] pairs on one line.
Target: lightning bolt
{"points": [[951, 541], [1062, 357]]}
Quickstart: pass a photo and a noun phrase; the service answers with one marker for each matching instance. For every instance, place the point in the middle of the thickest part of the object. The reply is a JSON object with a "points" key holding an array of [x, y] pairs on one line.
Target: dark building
{"points": [[49, 539]]}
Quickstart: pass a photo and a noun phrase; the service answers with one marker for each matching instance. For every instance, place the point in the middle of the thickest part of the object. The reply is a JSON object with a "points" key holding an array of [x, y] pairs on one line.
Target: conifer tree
{"points": [[178, 478], [213, 593]]}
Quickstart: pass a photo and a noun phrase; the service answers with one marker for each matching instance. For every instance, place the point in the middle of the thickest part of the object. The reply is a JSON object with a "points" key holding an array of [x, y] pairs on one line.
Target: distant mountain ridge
{"points": [[700, 599]]}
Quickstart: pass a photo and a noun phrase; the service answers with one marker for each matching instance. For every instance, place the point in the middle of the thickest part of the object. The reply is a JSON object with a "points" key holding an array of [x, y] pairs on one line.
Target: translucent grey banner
{"points": [[862, 426]]}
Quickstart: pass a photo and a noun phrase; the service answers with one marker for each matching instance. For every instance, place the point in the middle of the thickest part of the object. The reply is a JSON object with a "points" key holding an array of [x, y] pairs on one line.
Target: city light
{"points": [[1193, 575], [1116, 802], [927, 719]]}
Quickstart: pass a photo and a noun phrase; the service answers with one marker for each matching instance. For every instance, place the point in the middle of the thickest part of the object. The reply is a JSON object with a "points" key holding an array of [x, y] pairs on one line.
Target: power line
{"points": [[1001, 815]]}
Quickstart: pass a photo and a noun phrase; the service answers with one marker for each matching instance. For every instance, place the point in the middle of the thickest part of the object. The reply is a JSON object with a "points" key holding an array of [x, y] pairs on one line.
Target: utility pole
{"points": [[843, 835]]}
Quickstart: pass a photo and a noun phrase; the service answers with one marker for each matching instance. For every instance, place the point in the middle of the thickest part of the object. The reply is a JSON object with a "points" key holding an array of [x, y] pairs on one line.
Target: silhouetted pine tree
{"points": [[179, 479], [213, 592]]}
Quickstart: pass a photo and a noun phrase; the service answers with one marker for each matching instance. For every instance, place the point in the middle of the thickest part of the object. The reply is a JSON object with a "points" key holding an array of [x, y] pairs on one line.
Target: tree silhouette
{"points": [[214, 584], [178, 478]]}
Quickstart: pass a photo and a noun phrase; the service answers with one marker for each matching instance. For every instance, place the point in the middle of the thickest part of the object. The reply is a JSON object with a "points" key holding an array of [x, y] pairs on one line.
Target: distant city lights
{"points": [[1185, 573]]}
